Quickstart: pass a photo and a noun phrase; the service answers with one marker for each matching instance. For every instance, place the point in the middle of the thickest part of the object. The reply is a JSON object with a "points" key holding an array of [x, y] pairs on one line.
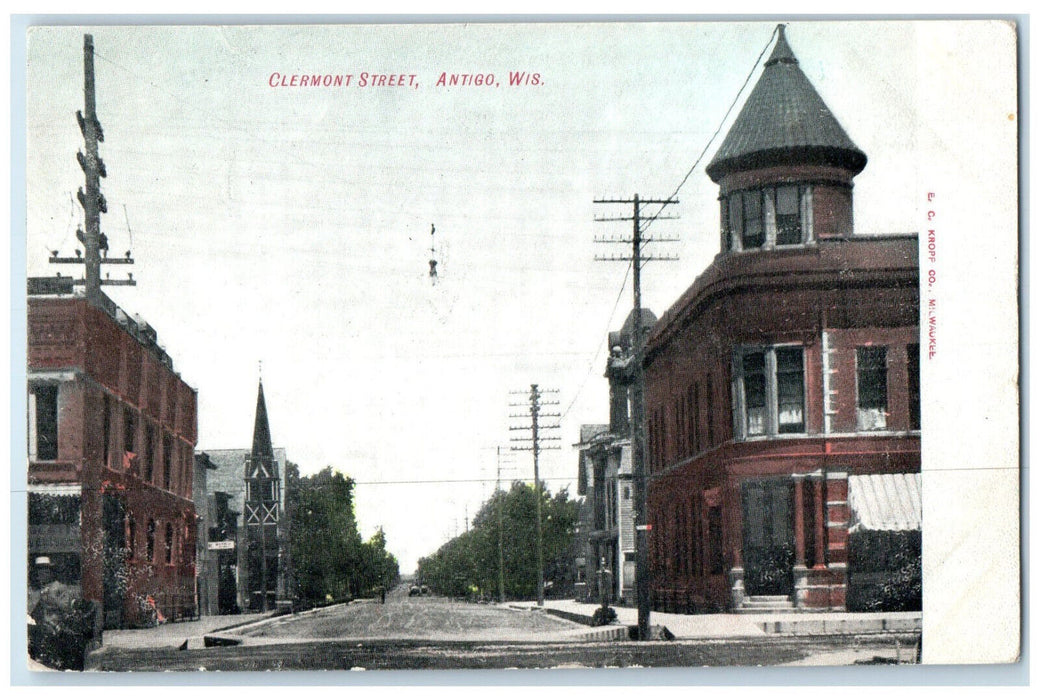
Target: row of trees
{"points": [[330, 560], [469, 563]]}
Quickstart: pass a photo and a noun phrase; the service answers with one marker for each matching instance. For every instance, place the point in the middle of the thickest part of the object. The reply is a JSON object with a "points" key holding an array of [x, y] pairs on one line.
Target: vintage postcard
{"points": [[519, 345]]}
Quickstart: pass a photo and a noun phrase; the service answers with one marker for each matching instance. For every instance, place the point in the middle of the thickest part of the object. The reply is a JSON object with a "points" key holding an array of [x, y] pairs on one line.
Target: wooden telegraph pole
{"points": [[535, 444], [637, 258], [95, 243]]}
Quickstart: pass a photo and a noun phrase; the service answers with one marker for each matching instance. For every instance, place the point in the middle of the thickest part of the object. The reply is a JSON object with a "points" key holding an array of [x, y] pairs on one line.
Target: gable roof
{"points": [[784, 122]]}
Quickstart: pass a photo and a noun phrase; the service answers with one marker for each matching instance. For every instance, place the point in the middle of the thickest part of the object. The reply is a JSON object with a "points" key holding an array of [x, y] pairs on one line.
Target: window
{"points": [[169, 543], [43, 434], [769, 391], [150, 542], [131, 536], [106, 428], [913, 369], [709, 412], [167, 450], [790, 390], [767, 217], [129, 430], [149, 452], [871, 388]]}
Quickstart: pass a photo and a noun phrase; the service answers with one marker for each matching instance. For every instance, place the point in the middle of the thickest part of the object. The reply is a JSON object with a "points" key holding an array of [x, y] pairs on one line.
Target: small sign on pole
{"points": [[223, 544]]}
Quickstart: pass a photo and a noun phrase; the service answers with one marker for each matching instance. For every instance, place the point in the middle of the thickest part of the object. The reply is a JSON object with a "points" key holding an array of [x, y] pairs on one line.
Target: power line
{"points": [[656, 215], [722, 123]]}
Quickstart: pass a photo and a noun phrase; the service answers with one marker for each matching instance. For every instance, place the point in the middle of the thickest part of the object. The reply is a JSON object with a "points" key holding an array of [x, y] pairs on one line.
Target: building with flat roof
{"points": [[112, 430]]}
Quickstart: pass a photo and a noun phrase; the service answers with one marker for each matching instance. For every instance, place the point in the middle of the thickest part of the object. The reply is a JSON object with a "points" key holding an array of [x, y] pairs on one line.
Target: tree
{"points": [[471, 560], [330, 560]]}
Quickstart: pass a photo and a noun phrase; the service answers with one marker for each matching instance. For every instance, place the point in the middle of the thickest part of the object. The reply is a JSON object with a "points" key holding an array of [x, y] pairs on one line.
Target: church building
{"points": [[247, 488]]}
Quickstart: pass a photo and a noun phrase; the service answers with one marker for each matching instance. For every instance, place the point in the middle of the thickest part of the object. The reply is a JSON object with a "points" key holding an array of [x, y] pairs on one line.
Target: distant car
{"points": [[414, 590], [424, 590]]}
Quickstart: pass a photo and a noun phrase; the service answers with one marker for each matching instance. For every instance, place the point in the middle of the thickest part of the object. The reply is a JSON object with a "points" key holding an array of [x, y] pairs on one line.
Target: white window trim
{"points": [[886, 413], [768, 208], [740, 417]]}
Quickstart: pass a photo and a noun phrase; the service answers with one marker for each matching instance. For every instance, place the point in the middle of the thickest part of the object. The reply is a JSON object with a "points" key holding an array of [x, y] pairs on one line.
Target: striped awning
{"points": [[56, 489], [890, 502]]}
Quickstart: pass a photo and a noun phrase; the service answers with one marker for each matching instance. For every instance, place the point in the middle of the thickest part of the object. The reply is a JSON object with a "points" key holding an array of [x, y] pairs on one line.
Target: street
{"points": [[437, 633]]}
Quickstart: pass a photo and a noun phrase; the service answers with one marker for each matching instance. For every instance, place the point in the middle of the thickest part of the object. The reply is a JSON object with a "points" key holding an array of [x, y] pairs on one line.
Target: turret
{"points": [[785, 168]]}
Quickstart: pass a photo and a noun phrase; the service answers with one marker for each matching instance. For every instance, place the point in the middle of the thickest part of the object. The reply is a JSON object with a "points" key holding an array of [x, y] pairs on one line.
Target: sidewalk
{"points": [[722, 625], [174, 634]]}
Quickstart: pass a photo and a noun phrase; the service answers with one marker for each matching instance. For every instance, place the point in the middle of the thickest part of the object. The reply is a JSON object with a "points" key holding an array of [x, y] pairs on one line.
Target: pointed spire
{"points": [[784, 122], [782, 52], [262, 448]]}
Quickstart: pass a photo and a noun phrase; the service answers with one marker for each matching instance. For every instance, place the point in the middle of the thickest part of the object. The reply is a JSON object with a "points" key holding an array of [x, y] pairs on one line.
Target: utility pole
{"points": [[535, 445], [639, 479], [94, 242]]}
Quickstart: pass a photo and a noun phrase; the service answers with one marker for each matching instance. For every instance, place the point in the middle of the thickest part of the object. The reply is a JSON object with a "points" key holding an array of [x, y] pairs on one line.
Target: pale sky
{"points": [[292, 225]]}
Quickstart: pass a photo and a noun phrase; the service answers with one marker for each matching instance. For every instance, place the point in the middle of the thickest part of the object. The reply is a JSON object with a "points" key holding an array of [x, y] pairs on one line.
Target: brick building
{"points": [[783, 394], [112, 430]]}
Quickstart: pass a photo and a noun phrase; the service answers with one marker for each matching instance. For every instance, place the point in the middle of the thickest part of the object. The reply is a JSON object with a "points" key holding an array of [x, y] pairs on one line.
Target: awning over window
{"points": [[889, 502], [56, 489]]}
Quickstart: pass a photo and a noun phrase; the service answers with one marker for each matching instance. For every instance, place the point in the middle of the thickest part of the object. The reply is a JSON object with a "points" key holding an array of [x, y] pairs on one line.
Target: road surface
{"points": [[437, 633]]}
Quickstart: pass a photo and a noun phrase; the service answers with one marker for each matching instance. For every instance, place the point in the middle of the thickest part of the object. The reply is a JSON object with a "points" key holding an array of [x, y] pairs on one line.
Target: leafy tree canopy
{"points": [[470, 562], [329, 558]]}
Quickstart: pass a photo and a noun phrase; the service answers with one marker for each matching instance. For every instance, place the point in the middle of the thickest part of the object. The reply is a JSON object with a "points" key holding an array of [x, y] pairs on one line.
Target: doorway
{"points": [[767, 510]]}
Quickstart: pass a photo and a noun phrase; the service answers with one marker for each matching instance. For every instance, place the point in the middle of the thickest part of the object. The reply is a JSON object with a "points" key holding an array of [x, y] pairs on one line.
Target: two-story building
{"points": [[782, 388]]}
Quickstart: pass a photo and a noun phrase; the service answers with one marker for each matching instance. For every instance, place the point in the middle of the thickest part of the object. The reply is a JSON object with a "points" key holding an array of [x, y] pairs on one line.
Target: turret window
{"points": [[767, 217]]}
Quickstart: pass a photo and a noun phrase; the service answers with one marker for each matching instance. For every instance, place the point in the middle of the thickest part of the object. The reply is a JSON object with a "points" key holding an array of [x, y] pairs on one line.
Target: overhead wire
{"points": [[682, 182], [722, 123]]}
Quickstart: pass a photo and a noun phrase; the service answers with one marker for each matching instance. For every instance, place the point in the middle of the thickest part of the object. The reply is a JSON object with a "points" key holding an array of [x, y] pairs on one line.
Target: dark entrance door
{"points": [[114, 577], [767, 508]]}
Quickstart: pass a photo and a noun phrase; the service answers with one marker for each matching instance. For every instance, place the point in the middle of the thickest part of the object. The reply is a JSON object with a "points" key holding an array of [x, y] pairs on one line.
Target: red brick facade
{"points": [[848, 293], [125, 434]]}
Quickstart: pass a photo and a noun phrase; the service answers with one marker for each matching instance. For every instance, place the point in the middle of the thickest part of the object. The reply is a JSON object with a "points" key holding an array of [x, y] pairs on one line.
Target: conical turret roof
{"points": [[784, 122], [262, 449]]}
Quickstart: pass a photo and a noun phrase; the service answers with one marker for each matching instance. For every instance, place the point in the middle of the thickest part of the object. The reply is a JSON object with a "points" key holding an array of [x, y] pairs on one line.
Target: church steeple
{"points": [[262, 448]]}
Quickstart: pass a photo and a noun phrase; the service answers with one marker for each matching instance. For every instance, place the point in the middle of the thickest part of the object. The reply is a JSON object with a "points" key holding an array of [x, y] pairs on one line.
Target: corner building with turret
{"points": [[782, 388]]}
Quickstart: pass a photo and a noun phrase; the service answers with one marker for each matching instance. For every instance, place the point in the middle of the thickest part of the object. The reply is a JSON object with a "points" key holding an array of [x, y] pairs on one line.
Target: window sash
{"points": [[753, 233], [788, 216], [45, 427], [769, 391], [767, 217], [871, 388]]}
